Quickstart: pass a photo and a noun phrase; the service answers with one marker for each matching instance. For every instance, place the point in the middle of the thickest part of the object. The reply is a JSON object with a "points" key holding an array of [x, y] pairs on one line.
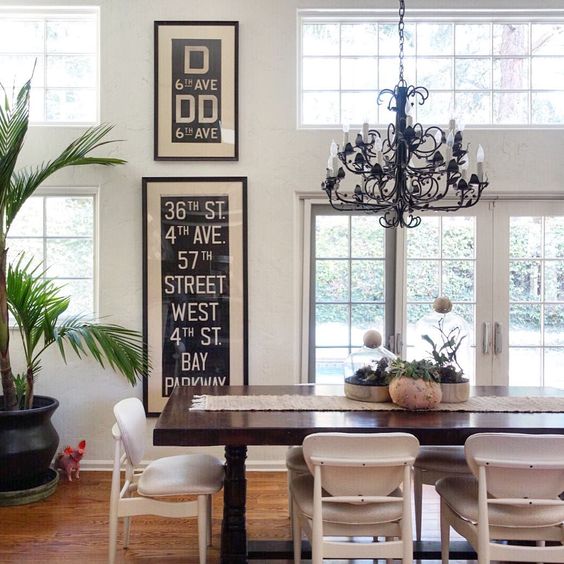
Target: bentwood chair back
{"points": [[512, 495], [353, 490], [148, 491]]}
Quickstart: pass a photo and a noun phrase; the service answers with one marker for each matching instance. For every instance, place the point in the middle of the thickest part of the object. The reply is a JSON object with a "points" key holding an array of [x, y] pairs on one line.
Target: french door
{"points": [[501, 263]]}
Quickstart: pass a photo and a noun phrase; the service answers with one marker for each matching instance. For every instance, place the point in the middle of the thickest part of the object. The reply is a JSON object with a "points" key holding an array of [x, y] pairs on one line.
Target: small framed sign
{"points": [[196, 90], [194, 284]]}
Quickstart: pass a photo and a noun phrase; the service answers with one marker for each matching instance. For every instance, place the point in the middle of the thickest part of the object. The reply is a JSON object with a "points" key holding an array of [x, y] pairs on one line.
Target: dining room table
{"points": [[184, 422]]}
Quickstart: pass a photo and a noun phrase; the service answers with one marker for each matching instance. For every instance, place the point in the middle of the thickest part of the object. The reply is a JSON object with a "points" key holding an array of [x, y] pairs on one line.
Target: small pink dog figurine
{"points": [[69, 460]]}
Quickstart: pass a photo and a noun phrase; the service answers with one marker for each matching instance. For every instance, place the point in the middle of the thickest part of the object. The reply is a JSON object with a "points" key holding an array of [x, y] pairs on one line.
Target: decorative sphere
{"points": [[372, 339], [442, 305]]}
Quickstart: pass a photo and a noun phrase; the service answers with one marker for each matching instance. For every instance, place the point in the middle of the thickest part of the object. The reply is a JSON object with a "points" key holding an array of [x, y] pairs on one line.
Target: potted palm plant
{"points": [[28, 440]]}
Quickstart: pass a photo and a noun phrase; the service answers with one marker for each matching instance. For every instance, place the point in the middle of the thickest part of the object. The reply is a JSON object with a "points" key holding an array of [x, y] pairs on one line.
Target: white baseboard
{"points": [[252, 465]]}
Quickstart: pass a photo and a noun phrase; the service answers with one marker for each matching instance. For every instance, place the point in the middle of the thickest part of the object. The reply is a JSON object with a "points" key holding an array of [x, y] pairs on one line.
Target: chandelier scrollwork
{"points": [[409, 168]]}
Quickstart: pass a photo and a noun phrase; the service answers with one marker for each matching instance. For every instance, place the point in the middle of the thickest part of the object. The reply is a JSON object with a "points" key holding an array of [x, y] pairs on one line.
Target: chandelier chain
{"points": [[401, 26]]}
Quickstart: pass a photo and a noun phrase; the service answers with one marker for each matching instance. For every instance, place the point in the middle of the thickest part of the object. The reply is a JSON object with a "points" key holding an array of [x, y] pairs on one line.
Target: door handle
{"points": [[498, 343], [486, 337], [395, 343]]}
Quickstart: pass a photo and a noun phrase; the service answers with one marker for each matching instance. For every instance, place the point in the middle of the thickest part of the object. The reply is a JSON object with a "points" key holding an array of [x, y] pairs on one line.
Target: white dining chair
{"points": [[513, 495], [353, 490], [149, 491], [295, 466], [432, 464]]}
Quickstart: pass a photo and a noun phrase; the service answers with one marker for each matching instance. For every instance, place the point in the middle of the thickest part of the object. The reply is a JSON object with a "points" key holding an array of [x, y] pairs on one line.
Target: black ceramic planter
{"points": [[28, 442]]}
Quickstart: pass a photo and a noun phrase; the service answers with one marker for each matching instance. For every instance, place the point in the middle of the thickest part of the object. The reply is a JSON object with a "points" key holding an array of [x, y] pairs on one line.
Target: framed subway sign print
{"points": [[194, 284], [196, 98]]}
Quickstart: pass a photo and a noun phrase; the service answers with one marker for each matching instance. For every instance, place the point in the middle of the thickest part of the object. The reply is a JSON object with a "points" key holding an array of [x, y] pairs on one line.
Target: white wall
{"points": [[277, 159]]}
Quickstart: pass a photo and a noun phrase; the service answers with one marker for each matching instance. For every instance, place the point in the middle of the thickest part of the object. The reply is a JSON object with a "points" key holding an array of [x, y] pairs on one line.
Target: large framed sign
{"points": [[196, 88], [194, 284]]}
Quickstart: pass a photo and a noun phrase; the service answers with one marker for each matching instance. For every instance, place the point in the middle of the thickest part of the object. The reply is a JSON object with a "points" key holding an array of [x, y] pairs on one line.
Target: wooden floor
{"points": [[72, 525]]}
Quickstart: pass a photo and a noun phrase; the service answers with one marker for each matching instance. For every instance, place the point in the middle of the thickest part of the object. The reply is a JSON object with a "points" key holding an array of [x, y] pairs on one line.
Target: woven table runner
{"points": [[340, 403]]}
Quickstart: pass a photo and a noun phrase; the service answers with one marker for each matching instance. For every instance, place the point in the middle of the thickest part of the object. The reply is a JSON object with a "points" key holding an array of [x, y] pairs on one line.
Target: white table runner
{"points": [[339, 403]]}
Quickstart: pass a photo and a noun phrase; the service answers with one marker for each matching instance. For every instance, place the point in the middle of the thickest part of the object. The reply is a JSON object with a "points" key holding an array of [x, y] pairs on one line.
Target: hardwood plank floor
{"points": [[72, 525]]}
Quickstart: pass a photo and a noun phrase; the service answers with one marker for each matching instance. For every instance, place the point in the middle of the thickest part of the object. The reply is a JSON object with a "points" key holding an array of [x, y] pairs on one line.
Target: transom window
{"points": [[62, 45], [58, 232], [501, 72]]}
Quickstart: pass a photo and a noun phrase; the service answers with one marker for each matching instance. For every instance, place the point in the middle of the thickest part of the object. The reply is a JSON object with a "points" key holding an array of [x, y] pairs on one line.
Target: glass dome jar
{"points": [[368, 356]]}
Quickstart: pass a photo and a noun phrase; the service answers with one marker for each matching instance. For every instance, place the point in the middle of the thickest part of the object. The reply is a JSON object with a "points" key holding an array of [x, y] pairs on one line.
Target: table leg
{"points": [[234, 528]]}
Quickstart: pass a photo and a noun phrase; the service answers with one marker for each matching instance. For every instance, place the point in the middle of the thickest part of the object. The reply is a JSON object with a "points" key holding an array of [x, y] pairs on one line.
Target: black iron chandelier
{"points": [[408, 170]]}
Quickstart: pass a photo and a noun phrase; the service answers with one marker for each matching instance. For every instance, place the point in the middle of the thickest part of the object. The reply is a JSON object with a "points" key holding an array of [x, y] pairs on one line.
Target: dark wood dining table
{"points": [[236, 430]]}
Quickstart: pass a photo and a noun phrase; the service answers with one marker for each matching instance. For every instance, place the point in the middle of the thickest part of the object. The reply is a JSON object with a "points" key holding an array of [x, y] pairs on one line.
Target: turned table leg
{"points": [[234, 528]]}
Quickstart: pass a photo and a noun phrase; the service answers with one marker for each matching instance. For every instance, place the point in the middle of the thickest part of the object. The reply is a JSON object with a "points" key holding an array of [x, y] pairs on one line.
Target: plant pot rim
{"points": [[464, 381], [350, 380], [48, 402]]}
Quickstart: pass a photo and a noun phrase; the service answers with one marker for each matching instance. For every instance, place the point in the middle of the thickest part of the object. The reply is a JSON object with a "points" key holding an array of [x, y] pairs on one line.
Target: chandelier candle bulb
{"points": [[365, 132], [452, 124], [345, 134], [480, 156]]}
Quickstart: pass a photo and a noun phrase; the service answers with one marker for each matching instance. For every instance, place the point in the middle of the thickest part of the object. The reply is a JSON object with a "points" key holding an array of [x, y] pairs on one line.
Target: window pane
{"points": [[71, 36], [554, 237], [458, 237], [332, 236], [511, 74], [473, 108], [511, 39], [367, 237], [69, 258], [332, 281], [434, 39], [525, 236], [359, 39], [320, 108], [422, 280], [359, 74], [77, 105], [81, 293], [15, 70], [548, 73], [365, 317], [389, 40], [548, 39], [548, 107], [524, 280], [473, 39], [29, 221], [320, 39], [554, 280], [36, 105], [70, 70], [553, 362], [434, 73], [359, 106], [473, 74], [367, 280], [524, 325], [437, 109], [332, 325], [525, 367], [389, 71], [320, 74], [423, 242], [69, 216], [553, 325], [458, 280], [31, 248], [511, 107], [21, 36]]}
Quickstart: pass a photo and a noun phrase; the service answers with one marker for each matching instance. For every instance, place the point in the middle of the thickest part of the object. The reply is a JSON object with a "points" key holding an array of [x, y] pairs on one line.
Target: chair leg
{"points": [[296, 535], [113, 536], [290, 500], [202, 527], [126, 530], [445, 534], [418, 497], [209, 524]]}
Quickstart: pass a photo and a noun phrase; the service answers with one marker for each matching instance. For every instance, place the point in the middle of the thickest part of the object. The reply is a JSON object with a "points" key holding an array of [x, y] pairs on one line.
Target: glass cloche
{"points": [[370, 361]]}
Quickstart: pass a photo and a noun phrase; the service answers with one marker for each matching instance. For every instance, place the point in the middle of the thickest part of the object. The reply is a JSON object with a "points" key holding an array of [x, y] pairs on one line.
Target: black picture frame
{"points": [[196, 90], [194, 284]]}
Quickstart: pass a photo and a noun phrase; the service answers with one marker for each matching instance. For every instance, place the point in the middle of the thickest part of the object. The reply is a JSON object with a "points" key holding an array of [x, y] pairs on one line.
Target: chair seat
{"points": [[444, 459], [461, 495], [345, 513], [183, 474], [295, 461]]}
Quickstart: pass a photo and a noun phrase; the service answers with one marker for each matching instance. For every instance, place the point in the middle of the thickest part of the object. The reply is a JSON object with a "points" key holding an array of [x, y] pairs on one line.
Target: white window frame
{"points": [[422, 15], [87, 191], [62, 12]]}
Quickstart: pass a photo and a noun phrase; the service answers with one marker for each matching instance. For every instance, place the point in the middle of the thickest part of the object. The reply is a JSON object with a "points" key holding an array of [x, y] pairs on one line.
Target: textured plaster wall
{"points": [[278, 160]]}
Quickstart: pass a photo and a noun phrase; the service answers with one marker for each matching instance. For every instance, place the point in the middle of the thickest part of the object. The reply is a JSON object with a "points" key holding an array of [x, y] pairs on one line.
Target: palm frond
{"points": [[24, 182]]}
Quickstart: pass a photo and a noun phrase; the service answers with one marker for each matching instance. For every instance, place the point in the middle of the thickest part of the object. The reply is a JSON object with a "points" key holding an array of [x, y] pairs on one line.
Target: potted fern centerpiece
{"points": [[28, 440], [414, 384]]}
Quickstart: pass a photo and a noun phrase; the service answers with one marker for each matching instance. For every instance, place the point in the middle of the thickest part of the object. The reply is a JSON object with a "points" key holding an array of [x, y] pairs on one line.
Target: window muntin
{"points": [[63, 46], [58, 232], [493, 73]]}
